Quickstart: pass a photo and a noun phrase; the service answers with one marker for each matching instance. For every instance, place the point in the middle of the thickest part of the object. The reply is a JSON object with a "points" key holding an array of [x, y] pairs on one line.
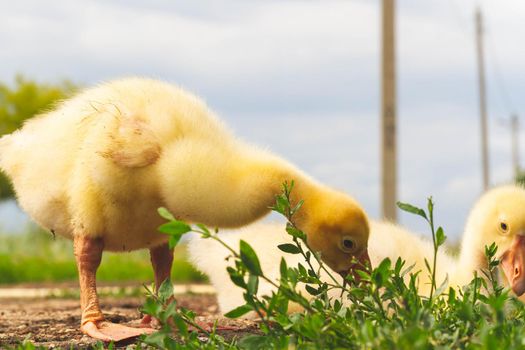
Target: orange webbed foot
{"points": [[107, 331], [149, 322]]}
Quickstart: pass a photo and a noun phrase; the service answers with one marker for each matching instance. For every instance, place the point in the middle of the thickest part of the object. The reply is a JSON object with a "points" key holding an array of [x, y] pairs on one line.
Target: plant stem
{"points": [[303, 303], [431, 222]]}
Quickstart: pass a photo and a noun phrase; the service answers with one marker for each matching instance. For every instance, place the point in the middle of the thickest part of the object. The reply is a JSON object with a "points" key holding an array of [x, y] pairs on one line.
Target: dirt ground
{"points": [[54, 323]]}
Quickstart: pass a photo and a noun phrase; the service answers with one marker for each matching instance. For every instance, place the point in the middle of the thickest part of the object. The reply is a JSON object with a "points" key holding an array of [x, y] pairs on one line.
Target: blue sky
{"points": [[301, 78]]}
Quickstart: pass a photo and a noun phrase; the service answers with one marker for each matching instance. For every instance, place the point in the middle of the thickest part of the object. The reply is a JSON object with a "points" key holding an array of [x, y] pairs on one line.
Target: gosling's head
{"points": [[337, 227], [499, 216]]}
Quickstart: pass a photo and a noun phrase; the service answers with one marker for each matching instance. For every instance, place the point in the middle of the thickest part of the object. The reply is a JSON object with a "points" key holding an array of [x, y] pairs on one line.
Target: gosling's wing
{"points": [[132, 144]]}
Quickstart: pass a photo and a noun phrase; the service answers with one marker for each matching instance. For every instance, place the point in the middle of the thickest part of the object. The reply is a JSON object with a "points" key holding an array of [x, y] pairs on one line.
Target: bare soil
{"points": [[54, 323]]}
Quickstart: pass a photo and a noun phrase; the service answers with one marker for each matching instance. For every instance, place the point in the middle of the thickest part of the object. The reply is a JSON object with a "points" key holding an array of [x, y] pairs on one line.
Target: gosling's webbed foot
{"points": [[149, 322], [107, 331]]}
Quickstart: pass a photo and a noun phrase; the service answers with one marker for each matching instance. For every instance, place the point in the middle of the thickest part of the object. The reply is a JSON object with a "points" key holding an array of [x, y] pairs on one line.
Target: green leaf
{"points": [[442, 287], [381, 273], [337, 305], [156, 339], [430, 206], [151, 307], [427, 264], [249, 258], [283, 267], [312, 290], [294, 232], [440, 237], [236, 278], [181, 325], [384, 266], [239, 311], [288, 186], [205, 230], [451, 295], [297, 207], [255, 342], [166, 290], [490, 251], [289, 248], [280, 204], [165, 213], [170, 310], [175, 228], [253, 284], [407, 270], [174, 240], [412, 209]]}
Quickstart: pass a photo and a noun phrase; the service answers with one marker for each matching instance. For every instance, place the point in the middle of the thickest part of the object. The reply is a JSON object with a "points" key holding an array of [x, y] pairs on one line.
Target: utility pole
{"points": [[514, 129], [482, 100], [388, 114]]}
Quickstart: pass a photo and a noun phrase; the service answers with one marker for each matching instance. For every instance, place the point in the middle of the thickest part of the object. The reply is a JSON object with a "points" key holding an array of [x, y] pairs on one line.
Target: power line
{"points": [[491, 51]]}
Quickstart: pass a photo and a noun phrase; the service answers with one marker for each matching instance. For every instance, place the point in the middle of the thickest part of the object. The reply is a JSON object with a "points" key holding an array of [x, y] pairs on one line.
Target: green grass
{"points": [[37, 257]]}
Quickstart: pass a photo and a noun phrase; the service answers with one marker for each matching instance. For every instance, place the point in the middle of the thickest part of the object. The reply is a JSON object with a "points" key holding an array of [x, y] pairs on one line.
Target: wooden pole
{"points": [[388, 113], [482, 100]]}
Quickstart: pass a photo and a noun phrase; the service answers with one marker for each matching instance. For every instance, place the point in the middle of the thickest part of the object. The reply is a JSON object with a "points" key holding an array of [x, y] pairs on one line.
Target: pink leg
{"points": [[88, 253], [162, 260]]}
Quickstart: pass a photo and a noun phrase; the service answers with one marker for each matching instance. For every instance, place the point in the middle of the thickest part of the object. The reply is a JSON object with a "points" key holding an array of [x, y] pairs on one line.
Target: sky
{"points": [[302, 79]]}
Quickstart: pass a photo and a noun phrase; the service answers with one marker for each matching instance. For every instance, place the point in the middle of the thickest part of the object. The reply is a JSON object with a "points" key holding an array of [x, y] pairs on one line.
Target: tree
{"points": [[23, 100]]}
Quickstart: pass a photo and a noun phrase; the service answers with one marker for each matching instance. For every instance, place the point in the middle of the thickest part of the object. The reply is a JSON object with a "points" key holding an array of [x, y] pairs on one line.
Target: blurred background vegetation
{"points": [[25, 99], [37, 256], [520, 178]]}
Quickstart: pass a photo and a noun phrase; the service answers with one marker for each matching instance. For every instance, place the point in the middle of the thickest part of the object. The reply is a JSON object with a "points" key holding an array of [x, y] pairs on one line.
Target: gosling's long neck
{"points": [[226, 185], [265, 175], [470, 260]]}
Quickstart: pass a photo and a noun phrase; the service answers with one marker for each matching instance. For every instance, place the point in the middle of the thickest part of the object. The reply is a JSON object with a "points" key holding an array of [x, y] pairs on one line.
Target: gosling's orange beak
{"points": [[362, 264], [513, 264]]}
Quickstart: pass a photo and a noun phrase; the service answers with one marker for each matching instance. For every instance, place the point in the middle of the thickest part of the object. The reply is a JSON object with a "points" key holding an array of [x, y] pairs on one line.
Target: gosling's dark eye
{"points": [[347, 244], [504, 227]]}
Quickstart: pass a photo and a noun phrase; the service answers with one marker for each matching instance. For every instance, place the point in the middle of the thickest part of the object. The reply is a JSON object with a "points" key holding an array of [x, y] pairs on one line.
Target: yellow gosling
{"points": [[97, 167]]}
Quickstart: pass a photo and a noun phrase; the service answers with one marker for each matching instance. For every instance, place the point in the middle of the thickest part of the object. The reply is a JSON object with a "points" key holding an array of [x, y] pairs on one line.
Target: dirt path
{"points": [[54, 322]]}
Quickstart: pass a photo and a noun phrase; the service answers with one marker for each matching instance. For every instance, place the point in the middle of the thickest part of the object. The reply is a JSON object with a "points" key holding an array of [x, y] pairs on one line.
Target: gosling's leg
{"points": [[88, 253], [161, 261]]}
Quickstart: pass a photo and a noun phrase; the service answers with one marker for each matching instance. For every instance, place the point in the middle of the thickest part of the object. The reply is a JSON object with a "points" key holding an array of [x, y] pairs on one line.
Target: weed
{"points": [[383, 311]]}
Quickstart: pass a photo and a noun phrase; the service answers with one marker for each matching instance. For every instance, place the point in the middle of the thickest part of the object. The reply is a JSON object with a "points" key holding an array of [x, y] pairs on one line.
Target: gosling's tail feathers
{"points": [[210, 257]]}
